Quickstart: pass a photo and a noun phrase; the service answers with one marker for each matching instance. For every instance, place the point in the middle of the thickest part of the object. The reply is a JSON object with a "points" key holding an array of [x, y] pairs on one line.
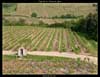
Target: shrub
{"points": [[78, 61], [63, 49], [41, 22], [21, 22], [68, 16], [49, 49], [54, 17], [57, 25], [35, 49], [15, 8], [34, 15], [6, 22], [94, 4], [76, 50]]}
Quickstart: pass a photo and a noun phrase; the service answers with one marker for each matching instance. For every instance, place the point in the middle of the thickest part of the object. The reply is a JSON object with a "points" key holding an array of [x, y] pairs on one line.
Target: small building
{"points": [[22, 52]]}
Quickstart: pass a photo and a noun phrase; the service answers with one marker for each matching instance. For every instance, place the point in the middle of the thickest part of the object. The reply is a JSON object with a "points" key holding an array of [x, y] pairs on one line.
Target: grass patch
{"points": [[36, 58]]}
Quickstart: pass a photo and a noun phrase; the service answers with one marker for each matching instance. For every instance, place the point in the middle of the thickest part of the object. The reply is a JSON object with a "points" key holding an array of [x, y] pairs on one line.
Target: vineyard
{"points": [[46, 65], [46, 39], [59, 38]]}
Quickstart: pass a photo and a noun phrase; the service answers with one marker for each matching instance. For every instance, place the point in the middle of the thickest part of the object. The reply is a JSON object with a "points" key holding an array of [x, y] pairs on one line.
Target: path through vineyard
{"points": [[59, 54]]}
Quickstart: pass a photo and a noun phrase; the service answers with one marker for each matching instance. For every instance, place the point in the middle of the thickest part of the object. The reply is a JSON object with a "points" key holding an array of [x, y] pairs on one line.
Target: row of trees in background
{"points": [[62, 16], [88, 26], [7, 22], [67, 16]]}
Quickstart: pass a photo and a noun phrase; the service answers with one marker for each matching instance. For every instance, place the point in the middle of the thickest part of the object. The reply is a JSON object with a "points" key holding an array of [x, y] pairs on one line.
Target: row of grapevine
{"points": [[39, 41], [48, 47], [45, 39]]}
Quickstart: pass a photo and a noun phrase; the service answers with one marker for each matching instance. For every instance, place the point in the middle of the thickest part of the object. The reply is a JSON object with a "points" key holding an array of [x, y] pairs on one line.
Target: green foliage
{"points": [[78, 61], [76, 50], [95, 5], [66, 16], [15, 8], [88, 26], [63, 49], [41, 22], [38, 58], [48, 49], [35, 49], [57, 25], [7, 22], [21, 22], [54, 17], [92, 25], [6, 5], [34, 15]]}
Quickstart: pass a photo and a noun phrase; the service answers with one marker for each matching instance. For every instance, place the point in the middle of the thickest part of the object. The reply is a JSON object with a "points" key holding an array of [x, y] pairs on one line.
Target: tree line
{"points": [[88, 26]]}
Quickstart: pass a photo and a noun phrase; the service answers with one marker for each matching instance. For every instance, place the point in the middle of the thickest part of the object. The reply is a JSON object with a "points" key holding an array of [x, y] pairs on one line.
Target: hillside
{"points": [[53, 9], [50, 38]]}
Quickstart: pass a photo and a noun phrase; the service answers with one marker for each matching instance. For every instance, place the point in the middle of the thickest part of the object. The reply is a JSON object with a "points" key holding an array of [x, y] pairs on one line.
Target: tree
{"points": [[94, 5], [92, 23], [88, 26], [34, 15]]}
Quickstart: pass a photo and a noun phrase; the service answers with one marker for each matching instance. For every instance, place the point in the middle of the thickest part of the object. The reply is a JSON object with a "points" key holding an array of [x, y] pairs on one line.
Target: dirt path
{"points": [[59, 54]]}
